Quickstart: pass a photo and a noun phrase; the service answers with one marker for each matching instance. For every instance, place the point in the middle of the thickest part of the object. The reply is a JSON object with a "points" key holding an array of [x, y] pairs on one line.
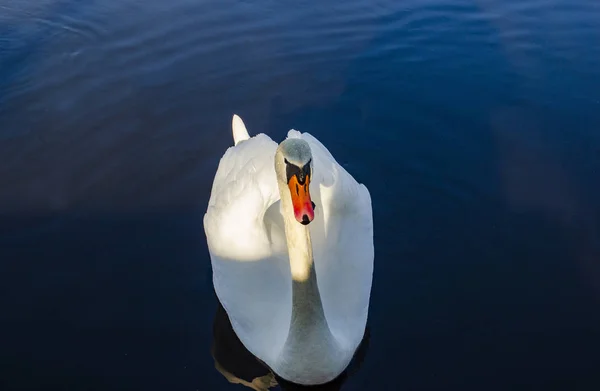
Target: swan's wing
{"points": [[342, 237], [250, 272]]}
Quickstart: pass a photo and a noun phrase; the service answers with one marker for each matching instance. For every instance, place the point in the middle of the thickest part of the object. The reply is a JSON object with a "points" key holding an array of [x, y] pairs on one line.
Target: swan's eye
{"points": [[306, 169], [300, 173], [291, 170]]}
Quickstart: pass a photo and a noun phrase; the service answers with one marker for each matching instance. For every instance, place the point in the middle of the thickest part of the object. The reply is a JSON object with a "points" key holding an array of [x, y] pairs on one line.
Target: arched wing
{"points": [[342, 237], [250, 273]]}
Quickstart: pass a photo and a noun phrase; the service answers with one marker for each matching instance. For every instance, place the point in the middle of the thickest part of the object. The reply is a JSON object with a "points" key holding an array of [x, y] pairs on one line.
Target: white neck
{"points": [[305, 290], [310, 352]]}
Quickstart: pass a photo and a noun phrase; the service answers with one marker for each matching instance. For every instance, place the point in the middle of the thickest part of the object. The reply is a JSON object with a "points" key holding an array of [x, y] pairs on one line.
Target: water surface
{"points": [[474, 123]]}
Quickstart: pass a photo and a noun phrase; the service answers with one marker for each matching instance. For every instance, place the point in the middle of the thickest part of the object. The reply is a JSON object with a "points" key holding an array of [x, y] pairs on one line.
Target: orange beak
{"points": [[303, 205]]}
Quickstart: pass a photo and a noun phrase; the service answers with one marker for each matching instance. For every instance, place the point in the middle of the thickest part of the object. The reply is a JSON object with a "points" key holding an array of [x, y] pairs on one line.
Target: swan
{"points": [[290, 237]]}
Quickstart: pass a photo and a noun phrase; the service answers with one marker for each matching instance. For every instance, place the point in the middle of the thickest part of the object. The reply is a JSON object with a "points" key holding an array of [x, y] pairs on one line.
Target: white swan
{"points": [[297, 294]]}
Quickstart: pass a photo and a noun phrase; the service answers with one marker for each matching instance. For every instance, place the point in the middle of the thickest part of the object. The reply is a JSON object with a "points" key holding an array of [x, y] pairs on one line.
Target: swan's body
{"points": [[297, 294]]}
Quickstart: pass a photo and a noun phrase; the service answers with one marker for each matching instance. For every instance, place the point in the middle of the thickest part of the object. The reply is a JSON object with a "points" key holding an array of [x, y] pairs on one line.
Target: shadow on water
{"points": [[239, 366]]}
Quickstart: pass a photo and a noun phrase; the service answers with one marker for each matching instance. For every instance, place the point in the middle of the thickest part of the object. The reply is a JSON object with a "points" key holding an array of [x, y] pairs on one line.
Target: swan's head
{"points": [[293, 165]]}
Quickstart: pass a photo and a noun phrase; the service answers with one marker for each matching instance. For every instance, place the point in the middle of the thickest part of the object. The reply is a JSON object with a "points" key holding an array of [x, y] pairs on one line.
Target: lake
{"points": [[475, 124]]}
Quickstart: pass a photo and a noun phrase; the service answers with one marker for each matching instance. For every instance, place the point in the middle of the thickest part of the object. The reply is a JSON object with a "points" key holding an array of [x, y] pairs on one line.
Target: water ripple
{"points": [[125, 68]]}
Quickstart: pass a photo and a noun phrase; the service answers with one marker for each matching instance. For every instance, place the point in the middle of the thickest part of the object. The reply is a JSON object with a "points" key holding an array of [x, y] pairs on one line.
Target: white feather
{"points": [[251, 268]]}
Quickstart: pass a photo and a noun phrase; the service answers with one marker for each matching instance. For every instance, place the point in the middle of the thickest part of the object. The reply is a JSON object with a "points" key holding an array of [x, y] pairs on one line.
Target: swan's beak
{"points": [[304, 210]]}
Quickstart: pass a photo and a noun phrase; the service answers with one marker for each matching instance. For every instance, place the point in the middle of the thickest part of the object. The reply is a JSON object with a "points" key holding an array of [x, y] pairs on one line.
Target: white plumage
{"points": [[245, 226]]}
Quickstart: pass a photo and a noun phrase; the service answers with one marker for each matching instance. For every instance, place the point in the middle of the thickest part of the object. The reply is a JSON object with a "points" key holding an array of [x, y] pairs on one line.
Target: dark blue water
{"points": [[474, 123]]}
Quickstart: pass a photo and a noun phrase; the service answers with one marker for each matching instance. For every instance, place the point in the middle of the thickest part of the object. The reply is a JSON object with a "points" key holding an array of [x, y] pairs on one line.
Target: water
{"points": [[474, 123]]}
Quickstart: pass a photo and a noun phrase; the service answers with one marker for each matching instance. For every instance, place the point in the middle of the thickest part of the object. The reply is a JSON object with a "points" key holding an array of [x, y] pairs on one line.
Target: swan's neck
{"points": [[310, 348], [307, 308]]}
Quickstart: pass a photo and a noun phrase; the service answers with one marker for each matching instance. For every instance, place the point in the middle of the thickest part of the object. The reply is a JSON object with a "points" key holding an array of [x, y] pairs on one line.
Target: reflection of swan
{"points": [[266, 259], [239, 366]]}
